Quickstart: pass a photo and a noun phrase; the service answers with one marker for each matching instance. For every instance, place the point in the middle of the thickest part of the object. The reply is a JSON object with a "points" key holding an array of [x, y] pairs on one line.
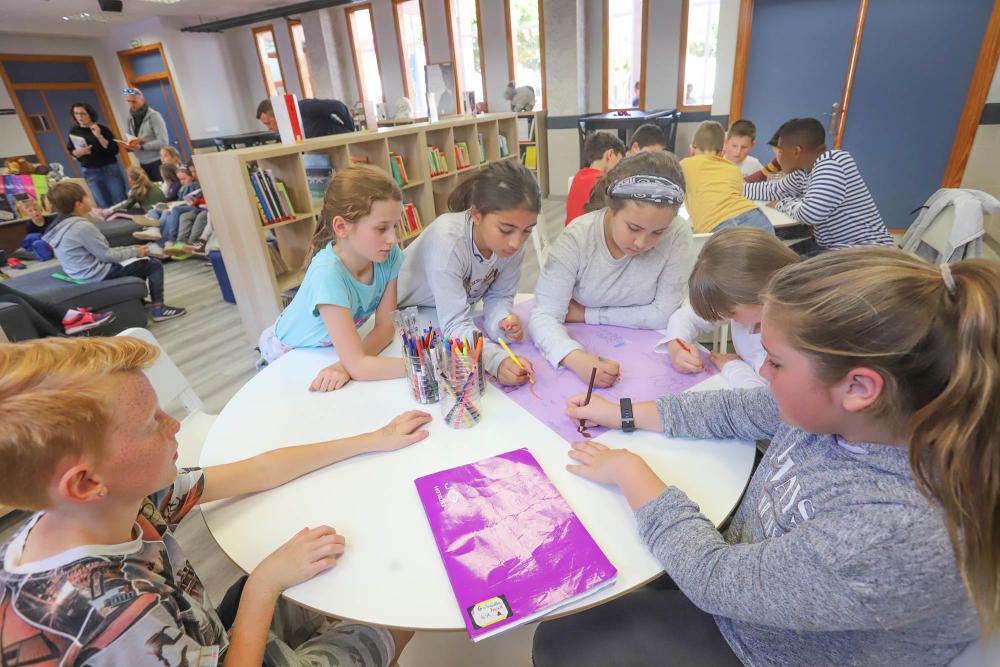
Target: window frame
{"points": [[642, 58], [260, 59], [407, 90], [511, 69], [681, 106], [306, 94], [348, 13], [459, 83]]}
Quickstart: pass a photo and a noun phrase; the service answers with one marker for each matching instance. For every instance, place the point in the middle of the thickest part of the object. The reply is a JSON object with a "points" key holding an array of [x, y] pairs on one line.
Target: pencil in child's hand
{"points": [[688, 350], [586, 402], [503, 344]]}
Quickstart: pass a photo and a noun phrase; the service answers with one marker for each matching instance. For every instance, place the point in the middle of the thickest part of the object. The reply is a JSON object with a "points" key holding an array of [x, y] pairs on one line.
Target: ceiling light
{"points": [[85, 16]]}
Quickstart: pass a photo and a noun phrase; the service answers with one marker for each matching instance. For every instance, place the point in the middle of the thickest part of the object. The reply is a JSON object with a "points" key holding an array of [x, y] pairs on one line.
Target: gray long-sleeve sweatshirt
{"points": [[83, 250], [639, 292], [444, 270], [832, 558]]}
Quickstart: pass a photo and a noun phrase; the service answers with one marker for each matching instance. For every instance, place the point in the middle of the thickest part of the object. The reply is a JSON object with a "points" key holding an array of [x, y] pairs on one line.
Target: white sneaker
{"points": [[148, 234]]}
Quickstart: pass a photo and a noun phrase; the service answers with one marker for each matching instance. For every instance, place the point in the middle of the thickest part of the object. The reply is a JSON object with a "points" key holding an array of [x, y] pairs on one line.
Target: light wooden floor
{"points": [[210, 348]]}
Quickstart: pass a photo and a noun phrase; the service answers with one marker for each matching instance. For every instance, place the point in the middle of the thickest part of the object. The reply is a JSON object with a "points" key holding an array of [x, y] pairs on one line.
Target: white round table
{"points": [[391, 574]]}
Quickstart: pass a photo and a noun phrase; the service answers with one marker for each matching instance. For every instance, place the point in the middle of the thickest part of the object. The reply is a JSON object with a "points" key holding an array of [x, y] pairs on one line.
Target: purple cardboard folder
{"points": [[512, 547]]}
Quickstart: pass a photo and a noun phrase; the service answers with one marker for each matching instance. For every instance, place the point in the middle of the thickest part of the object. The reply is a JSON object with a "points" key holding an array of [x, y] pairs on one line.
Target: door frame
{"points": [[95, 82], [166, 75], [972, 110]]}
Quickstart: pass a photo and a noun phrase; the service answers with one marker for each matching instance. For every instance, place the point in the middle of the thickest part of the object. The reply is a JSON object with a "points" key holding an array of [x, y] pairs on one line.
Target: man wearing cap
{"points": [[149, 130]]}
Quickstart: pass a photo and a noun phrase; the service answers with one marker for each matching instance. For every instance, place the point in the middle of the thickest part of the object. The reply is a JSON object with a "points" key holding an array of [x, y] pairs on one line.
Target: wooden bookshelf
{"points": [[257, 283], [540, 142]]}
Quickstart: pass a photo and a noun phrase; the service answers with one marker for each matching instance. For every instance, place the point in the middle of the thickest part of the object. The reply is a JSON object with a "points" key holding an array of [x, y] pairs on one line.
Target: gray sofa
{"points": [[119, 232], [122, 295]]}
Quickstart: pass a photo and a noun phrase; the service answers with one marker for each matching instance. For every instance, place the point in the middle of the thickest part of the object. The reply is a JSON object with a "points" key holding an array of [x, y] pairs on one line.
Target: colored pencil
{"points": [[590, 392]]}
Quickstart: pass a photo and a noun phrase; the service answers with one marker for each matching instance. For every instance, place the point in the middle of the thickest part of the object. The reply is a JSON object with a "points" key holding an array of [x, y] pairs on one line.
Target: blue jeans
{"points": [[752, 218], [170, 223], [106, 183]]}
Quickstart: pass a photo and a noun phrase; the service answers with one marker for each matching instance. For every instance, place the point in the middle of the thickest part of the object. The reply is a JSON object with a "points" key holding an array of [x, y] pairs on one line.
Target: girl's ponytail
{"points": [[933, 334]]}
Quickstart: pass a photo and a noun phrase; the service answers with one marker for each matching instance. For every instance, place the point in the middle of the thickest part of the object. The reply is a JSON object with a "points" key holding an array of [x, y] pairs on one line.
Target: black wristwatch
{"points": [[628, 421]]}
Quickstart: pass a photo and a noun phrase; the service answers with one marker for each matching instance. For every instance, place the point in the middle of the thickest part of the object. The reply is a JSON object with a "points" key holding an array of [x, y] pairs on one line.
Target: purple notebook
{"points": [[512, 547]]}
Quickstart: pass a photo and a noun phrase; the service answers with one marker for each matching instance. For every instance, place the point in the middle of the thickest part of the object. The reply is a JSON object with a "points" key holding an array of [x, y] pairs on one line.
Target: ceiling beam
{"points": [[265, 15]]}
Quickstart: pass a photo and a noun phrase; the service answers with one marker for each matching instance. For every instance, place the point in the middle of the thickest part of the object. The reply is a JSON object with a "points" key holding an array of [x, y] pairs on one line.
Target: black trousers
{"points": [[46, 317], [149, 269], [152, 170]]}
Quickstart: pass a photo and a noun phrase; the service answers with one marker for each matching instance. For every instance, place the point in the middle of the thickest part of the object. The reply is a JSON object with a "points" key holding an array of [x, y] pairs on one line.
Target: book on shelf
{"points": [[462, 160], [271, 204], [504, 150], [438, 163], [319, 173], [360, 159], [526, 128], [409, 222], [482, 149], [398, 169], [512, 547], [529, 156]]}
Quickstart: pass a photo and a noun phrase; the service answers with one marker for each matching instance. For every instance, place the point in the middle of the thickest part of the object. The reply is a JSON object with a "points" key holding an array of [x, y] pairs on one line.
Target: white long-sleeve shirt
{"points": [[639, 292], [744, 374], [832, 198], [443, 269]]}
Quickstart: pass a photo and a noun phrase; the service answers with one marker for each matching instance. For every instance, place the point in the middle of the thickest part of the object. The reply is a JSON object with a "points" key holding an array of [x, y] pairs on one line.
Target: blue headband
{"points": [[653, 189], [130, 91]]}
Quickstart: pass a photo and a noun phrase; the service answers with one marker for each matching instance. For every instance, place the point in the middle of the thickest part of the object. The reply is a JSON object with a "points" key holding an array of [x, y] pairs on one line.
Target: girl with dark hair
{"points": [[93, 145], [474, 254]]}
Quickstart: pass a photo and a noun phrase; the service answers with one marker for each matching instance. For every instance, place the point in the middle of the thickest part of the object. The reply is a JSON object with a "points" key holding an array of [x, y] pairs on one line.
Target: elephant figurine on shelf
{"points": [[521, 98]]}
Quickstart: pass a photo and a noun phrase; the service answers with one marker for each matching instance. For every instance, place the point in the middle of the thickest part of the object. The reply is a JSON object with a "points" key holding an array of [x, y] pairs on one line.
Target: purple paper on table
{"points": [[512, 547], [645, 374]]}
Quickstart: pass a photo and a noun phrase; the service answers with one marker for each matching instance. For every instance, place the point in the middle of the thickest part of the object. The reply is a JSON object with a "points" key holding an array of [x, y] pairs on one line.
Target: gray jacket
{"points": [[153, 132], [961, 237], [832, 558], [82, 249]]}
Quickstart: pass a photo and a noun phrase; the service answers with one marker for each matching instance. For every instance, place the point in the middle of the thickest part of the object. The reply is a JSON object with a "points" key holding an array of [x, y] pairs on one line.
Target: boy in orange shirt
{"points": [[601, 151], [715, 186]]}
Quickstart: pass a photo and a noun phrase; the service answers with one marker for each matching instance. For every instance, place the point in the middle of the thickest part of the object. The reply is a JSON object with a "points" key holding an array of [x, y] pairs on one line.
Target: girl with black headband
{"points": [[624, 263]]}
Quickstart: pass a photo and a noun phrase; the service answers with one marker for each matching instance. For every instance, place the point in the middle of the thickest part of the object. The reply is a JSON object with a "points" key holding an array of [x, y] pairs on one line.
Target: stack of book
{"points": [[319, 172], [462, 160], [526, 129], [439, 165], [504, 151], [529, 156], [409, 222], [482, 149], [273, 203], [398, 169]]}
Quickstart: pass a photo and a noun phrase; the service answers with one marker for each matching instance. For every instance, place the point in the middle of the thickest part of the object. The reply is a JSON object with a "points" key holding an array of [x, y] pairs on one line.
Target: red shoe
{"points": [[81, 319], [15, 263]]}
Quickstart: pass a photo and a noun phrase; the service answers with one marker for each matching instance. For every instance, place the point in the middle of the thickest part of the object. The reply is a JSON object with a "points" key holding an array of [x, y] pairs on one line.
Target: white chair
{"points": [[979, 654], [171, 385], [541, 244]]}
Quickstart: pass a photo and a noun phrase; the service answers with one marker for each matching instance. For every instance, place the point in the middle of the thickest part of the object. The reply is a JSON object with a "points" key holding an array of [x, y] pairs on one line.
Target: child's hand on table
{"points": [[513, 329], [309, 552], [620, 467], [582, 363], [403, 431], [599, 411], [684, 361], [331, 378], [721, 360], [575, 312], [511, 375]]}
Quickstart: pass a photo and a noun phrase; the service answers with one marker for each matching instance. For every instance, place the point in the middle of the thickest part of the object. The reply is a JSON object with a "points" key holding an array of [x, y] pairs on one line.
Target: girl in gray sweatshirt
{"points": [[882, 467], [624, 263]]}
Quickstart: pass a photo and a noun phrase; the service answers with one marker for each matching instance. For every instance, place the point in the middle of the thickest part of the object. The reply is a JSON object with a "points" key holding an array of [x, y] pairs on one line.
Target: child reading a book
{"points": [[601, 152], [352, 276], [740, 140], [867, 534], [170, 155], [168, 215], [84, 253], [729, 276], [715, 186], [624, 263], [169, 182], [474, 254], [96, 575], [828, 193], [143, 194]]}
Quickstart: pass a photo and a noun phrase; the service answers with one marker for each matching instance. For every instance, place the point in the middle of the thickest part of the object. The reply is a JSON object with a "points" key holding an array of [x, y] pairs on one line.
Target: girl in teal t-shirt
{"points": [[352, 276]]}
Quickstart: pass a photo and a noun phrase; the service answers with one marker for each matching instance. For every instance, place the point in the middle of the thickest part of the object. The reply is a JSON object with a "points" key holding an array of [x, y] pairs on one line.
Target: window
{"points": [[624, 50], [699, 42], [270, 64], [366, 67], [526, 57], [467, 47], [298, 38], [412, 52]]}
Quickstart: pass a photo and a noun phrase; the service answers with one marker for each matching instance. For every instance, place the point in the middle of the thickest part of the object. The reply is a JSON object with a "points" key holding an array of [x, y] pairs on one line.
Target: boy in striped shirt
{"points": [[823, 189]]}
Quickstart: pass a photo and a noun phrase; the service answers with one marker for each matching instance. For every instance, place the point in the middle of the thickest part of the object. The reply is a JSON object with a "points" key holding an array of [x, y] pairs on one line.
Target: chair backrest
{"points": [[699, 240], [979, 654], [541, 244], [938, 234], [167, 380]]}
